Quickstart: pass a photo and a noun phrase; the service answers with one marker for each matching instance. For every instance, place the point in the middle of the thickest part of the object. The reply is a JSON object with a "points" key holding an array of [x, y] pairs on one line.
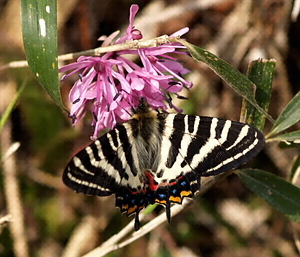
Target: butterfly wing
{"points": [[102, 167], [209, 146], [195, 146], [107, 166]]}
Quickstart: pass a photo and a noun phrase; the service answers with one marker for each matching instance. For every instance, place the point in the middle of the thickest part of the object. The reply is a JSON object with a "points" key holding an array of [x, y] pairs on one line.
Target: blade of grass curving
{"points": [[260, 72], [288, 117], [291, 136], [236, 80], [11, 106], [39, 28], [282, 195]]}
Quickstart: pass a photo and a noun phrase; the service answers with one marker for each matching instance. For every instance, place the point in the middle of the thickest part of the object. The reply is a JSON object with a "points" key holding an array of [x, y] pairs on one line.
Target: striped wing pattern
{"points": [[160, 158]]}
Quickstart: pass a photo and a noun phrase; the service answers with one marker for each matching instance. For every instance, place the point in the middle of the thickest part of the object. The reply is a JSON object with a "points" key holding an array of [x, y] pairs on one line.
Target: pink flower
{"points": [[111, 85]]}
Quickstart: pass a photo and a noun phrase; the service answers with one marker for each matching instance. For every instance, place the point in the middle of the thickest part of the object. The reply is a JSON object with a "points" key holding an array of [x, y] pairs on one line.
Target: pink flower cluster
{"points": [[111, 85]]}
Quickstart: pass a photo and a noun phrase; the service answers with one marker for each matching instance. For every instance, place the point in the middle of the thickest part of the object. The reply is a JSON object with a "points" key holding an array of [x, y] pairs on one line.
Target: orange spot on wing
{"points": [[161, 201], [131, 210], [185, 193], [176, 199]]}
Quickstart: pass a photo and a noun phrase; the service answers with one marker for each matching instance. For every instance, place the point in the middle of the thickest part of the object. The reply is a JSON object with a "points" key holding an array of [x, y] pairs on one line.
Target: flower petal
{"points": [[180, 32]]}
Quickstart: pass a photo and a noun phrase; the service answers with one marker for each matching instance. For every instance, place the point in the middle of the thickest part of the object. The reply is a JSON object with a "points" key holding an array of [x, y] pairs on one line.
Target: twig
{"points": [[154, 42], [82, 238], [11, 150], [135, 44], [12, 194], [5, 219], [10, 181]]}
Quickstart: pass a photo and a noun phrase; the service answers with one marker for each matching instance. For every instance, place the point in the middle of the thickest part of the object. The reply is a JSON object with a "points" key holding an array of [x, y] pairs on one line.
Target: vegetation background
{"points": [[228, 220]]}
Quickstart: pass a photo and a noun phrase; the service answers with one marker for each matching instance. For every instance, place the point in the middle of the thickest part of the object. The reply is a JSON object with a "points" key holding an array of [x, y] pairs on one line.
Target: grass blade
{"points": [[260, 72], [288, 117]]}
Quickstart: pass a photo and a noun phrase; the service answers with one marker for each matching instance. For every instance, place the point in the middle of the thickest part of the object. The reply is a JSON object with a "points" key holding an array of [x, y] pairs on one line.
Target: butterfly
{"points": [[158, 157]]}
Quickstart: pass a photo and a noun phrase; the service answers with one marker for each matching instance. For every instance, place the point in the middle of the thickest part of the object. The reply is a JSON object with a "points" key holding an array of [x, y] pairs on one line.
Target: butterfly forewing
{"points": [[205, 146], [160, 157], [100, 168], [217, 145]]}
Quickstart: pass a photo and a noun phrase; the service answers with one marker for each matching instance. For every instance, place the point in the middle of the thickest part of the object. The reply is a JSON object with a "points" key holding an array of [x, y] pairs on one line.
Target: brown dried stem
{"points": [[11, 185]]}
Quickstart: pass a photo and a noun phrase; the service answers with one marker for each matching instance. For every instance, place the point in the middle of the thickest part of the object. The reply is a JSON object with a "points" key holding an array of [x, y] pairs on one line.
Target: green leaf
{"points": [[11, 106], [236, 80], [288, 117], [39, 28], [260, 72], [282, 195], [292, 136]]}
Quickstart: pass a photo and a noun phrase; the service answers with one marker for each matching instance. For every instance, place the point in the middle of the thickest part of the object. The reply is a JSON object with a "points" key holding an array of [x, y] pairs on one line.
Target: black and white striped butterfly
{"points": [[159, 158]]}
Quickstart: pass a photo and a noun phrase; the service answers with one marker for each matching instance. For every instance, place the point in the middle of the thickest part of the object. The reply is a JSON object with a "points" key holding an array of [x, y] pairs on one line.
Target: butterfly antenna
{"points": [[136, 97], [140, 99], [116, 97]]}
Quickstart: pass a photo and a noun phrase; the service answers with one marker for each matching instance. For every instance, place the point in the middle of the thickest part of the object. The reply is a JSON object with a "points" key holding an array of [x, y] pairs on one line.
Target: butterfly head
{"points": [[143, 106], [143, 111]]}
